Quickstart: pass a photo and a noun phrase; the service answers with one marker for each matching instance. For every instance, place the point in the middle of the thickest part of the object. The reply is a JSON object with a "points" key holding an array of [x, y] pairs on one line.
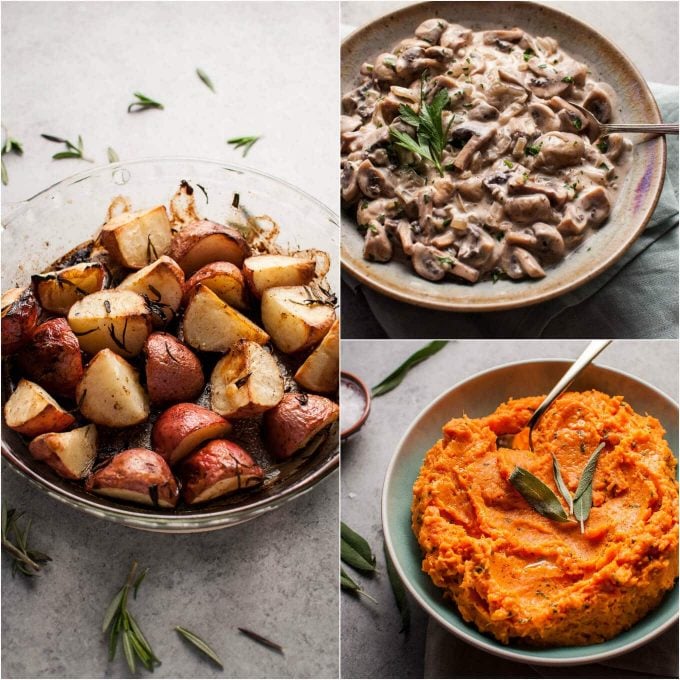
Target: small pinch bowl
{"points": [[478, 396], [360, 386], [634, 206]]}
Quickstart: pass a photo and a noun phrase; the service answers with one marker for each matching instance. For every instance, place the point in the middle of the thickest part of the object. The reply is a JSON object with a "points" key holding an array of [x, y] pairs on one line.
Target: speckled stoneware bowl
{"points": [[479, 396], [633, 208]]}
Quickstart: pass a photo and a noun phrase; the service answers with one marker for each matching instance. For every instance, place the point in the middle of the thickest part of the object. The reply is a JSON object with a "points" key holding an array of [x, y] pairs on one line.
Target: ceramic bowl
{"points": [[478, 396], [358, 385], [632, 211]]}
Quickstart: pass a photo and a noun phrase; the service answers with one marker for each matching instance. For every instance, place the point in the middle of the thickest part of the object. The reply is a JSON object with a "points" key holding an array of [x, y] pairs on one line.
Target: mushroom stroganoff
{"points": [[462, 149]]}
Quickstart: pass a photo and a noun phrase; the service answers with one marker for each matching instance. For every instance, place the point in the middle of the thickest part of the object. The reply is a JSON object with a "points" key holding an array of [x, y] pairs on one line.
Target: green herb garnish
{"points": [[143, 103], [205, 78], [262, 640], [603, 145], [508, 164], [113, 156], [73, 150], [349, 584], [539, 496], [11, 146], [395, 378], [399, 592], [355, 551], [533, 149], [567, 79], [245, 142], [577, 123], [583, 498], [201, 645], [25, 560], [561, 486], [446, 261], [604, 166], [528, 53]]}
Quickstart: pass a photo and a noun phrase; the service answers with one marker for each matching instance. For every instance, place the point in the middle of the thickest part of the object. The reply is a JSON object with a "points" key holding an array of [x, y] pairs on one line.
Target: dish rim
{"points": [[492, 646], [602, 264]]}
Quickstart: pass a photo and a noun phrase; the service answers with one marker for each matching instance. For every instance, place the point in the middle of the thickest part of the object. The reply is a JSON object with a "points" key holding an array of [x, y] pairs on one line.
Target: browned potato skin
{"points": [[181, 421], [173, 371], [19, 319], [53, 359], [289, 426], [218, 460], [50, 419], [41, 449], [189, 236], [215, 270], [136, 470]]}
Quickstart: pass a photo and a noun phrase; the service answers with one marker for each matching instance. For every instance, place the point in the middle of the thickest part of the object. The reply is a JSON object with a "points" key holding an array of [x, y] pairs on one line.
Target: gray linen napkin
{"points": [[448, 657], [635, 298]]}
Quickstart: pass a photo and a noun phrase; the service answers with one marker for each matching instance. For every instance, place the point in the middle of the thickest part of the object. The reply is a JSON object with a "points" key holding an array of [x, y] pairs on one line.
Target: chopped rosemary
{"points": [[201, 645], [245, 142], [143, 103], [262, 640], [205, 78], [73, 150]]}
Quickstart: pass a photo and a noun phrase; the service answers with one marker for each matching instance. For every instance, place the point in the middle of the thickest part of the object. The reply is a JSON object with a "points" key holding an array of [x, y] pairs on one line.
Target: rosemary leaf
{"points": [[583, 498], [205, 78], [112, 610], [245, 142], [399, 593], [138, 582], [11, 146], [15, 543], [395, 378], [539, 496], [347, 583], [143, 103], [201, 645], [129, 653], [5, 174], [561, 486], [358, 543], [72, 150], [262, 640], [113, 156]]}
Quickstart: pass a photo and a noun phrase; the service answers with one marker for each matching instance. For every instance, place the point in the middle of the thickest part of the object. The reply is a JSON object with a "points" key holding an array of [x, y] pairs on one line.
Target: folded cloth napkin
{"points": [[446, 656], [635, 298]]}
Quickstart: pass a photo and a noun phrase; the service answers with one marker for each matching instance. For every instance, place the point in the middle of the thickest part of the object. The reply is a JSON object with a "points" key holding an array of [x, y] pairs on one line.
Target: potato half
{"points": [[119, 320], [217, 469], [19, 318], [296, 317], [57, 291], [70, 454], [224, 279], [272, 271], [161, 284], [212, 325], [291, 425], [319, 372], [136, 239], [30, 410], [136, 475], [110, 392], [245, 382], [183, 428]]}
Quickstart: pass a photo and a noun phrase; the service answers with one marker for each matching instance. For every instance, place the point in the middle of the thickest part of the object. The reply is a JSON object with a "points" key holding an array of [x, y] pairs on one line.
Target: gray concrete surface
{"points": [[70, 69], [371, 643]]}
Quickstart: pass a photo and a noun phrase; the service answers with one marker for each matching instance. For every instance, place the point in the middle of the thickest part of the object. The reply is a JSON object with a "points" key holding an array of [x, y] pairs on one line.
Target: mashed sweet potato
{"points": [[522, 577]]}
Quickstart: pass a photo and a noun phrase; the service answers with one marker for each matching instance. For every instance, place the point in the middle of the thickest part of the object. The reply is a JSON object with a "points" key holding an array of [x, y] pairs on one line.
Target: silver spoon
{"points": [[596, 129], [590, 352]]}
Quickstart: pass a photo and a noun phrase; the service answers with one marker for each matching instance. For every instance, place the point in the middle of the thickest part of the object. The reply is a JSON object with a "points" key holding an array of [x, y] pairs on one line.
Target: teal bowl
{"points": [[479, 396]]}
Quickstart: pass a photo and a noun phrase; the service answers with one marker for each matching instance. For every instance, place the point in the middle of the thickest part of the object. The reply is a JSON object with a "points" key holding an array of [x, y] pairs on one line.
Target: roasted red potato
{"points": [[291, 425], [20, 312], [224, 279], [70, 454], [183, 428], [203, 242], [271, 271], [57, 291], [173, 371], [136, 475], [217, 469], [31, 411], [320, 371], [53, 359]]}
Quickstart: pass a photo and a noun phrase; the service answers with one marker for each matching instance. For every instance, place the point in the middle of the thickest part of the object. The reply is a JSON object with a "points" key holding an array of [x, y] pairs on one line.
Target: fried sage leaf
{"points": [[583, 498], [202, 645], [539, 496], [357, 542], [350, 556], [395, 378], [561, 486], [349, 584], [399, 592]]}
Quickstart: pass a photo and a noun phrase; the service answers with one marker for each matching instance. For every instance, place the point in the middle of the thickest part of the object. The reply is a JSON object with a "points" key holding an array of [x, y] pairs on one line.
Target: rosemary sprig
{"points": [[245, 142], [205, 78], [143, 103], [72, 150], [11, 146], [121, 624], [25, 559], [201, 645], [262, 640]]}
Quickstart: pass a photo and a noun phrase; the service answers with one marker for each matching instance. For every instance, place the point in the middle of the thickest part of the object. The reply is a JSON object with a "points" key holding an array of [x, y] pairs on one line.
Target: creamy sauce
{"points": [[521, 184]]}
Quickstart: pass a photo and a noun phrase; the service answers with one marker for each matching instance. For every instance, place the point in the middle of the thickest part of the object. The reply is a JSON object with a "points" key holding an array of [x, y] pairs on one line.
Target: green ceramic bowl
{"points": [[478, 396]]}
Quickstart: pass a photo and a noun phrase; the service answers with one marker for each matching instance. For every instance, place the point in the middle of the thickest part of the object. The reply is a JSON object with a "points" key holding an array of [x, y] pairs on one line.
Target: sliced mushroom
{"points": [[522, 236], [427, 263], [479, 139], [476, 247], [349, 123], [413, 61], [512, 35], [431, 30], [483, 112], [444, 240], [455, 37], [377, 245], [542, 81], [385, 68], [614, 146], [529, 264], [405, 235], [558, 150], [599, 103], [373, 182], [589, 210], [465, 271], [549, 243], [528, 209], [557, 195], [471, 189], [518, 263], [544, 117], [443, 191], [348, 182], [501, 95]]}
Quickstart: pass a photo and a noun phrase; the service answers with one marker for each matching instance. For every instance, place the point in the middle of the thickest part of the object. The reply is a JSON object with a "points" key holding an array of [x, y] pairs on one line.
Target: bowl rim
{"points": [[492, 646], [186, 522], [350, 377], [451, 305]]}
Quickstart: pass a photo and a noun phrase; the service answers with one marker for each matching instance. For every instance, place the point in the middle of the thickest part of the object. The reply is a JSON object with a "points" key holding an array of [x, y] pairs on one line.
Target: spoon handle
{"points": [[659, 129], [590, 352]]}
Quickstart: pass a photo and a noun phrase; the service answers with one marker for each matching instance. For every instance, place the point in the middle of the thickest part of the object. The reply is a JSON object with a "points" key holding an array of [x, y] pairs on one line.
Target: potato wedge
{"points": [[183, 428], [57, 291], [273, 271], [30, 410], [203, 242], [212, 325], [173, 371], [19, 318], [319, 372], [291, 425], [161, 284], [70, 454], [296, 317], [224, 279], [110, 392], [118, 320], [52, 358], [245, 382], [136, 475], [217, 469], [136, 239]]}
